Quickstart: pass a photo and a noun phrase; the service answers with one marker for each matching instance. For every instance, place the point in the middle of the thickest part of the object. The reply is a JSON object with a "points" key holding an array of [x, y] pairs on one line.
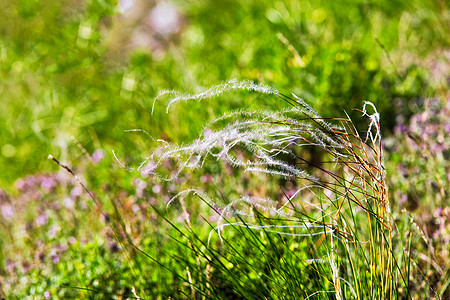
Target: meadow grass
{"points": [[346, 220], [268, 215], [64, 76]]}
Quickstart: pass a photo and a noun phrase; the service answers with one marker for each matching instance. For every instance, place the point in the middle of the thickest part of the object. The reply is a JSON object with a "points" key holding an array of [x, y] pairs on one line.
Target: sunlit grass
{"points": [[357, 252], [77, 76]]}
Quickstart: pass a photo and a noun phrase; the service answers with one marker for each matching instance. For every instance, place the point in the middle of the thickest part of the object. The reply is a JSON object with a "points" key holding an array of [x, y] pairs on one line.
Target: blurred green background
{"points": [[90, 70], [76, 75]]}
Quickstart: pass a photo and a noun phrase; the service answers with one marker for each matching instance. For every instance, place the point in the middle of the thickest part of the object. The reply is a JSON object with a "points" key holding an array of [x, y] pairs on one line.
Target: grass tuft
{"points": [[339, 210]]}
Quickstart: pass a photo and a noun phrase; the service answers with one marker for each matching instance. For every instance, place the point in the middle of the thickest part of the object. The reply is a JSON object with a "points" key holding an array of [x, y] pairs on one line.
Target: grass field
{"points": [[224, 149]]}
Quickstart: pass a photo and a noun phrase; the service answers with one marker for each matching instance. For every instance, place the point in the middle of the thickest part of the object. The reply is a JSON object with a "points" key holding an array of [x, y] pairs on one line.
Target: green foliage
{"points": [[73, 79], [62, 78]]}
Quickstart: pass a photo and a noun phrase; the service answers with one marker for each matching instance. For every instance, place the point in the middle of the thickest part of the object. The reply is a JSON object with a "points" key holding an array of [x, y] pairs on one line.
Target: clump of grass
{"points": [[339, 212]]}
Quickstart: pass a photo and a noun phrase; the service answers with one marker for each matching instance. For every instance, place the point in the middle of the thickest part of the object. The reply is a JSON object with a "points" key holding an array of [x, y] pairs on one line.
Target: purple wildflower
{"points": [[135, 208], [76, 192], [53, 231], [447, 128], [126, 5], [7, 212], [403, 199], [42, 219], [400, 128], [156, 189], [206, 178], [140, 186], [437, 212], [97, 156], [55, 258], [48, 183], [20, 184], [68, 203], [11, 266], [165, 19]]}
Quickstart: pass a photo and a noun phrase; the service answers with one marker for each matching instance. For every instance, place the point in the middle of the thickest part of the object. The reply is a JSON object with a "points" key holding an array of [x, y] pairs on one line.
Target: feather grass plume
{"points": [[342, 198]]}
